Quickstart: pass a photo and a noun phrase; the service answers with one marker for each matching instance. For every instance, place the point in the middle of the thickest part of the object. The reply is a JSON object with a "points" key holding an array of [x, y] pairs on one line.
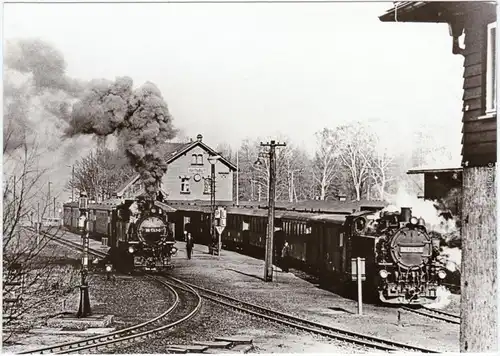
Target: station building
{"points": [[188, 175]]}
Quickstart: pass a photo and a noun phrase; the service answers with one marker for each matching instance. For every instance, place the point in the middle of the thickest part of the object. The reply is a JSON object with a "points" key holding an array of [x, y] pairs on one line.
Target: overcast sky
{"points": [[231, 71], [234, 70]]}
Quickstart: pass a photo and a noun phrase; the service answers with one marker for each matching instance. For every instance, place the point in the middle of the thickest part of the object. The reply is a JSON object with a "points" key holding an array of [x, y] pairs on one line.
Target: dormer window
{"points": [[197, 160], [491, 97]]}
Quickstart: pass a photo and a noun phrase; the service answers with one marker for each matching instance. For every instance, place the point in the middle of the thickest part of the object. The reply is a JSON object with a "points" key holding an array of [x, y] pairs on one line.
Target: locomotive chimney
{"points": [[405, 214]]}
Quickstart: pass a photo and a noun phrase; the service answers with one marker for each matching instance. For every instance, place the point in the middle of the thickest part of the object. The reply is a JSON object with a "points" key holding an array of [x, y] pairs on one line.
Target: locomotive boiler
{"points": [[150, 242], [406, 257]]}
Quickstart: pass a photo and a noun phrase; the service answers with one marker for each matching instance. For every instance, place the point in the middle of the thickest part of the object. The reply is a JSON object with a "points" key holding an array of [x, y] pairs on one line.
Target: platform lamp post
{"points": [[268, 269], [212, 160], [84, 307]]}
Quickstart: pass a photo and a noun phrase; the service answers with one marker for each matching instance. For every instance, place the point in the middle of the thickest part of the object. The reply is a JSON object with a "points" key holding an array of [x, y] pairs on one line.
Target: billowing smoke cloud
{"points": [[42, 101], [37, 93], [140, 118], [45, 63]]}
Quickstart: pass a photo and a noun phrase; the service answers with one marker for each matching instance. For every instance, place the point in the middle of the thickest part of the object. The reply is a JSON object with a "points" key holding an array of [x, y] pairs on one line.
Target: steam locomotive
{"points": [[137, 231], [405, 257], [150, 242]]}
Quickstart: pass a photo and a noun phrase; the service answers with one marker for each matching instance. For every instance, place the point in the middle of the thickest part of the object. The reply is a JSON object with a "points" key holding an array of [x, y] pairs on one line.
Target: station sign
{"points": [[354, 269]]}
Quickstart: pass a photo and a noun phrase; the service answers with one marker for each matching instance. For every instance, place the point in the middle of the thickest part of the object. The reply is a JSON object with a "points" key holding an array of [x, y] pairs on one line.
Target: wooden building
{"points": [[188, 175], [477, 22]]}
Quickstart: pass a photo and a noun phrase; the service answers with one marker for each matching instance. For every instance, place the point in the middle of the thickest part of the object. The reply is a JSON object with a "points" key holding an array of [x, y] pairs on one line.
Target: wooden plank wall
{"points": [[479, 135]]}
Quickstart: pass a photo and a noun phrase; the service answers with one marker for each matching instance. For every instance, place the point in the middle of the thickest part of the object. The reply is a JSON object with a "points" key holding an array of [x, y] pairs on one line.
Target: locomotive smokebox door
{"points": [[354, 269]]}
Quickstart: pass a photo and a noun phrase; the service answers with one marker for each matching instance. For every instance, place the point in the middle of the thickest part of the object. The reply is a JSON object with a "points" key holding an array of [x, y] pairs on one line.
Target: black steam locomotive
{"points": [[149, 245], [405, 257]]}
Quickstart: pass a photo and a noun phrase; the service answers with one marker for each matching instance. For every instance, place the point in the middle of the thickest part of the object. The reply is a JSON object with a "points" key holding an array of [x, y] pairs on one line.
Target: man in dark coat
{"points": [[189, 244], [285, 255]]}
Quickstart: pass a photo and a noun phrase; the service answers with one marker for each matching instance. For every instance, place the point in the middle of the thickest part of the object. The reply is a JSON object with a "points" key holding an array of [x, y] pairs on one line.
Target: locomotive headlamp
{"points": [[383, 273], [160, 211], [174, 250], [413, 220], [131, 249], [153, 210], [109, 268], [442, 274]]}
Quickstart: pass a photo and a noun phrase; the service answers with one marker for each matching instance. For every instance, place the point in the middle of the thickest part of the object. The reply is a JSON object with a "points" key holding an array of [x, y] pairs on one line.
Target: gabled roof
{"points": [[189, 146], [175, 150]]}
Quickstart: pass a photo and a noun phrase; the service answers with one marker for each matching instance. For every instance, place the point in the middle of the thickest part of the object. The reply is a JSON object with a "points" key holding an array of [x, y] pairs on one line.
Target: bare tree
{"points": [[381, 162], [100, 173], [31, 278], [355, 153], [326, 161]]}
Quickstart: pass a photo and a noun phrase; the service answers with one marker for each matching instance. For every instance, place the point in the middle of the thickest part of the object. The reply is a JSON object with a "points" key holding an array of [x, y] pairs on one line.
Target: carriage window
{"points": [[308, 230], [185, 185], [341, 239]]}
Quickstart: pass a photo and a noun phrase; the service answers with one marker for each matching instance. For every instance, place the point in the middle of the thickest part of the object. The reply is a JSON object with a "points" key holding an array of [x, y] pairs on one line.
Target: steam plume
{"points": [[139, 117]]}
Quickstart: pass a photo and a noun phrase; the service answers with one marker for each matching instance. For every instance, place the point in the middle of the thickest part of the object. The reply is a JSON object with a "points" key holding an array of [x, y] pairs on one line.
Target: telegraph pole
{"points": [[237, 178], [48, 200], [73, 183], [268, 272]]}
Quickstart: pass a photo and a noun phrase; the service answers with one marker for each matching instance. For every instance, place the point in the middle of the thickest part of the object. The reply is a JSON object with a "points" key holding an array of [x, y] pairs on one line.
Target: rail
{"points": [[304, 325], [434, 314], [135, 332]]}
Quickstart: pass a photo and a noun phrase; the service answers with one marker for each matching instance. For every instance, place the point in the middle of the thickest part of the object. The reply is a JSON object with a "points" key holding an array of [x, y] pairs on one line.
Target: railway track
{"points": [[435, 314], [134, 333], [68, 243], [304, 325]]}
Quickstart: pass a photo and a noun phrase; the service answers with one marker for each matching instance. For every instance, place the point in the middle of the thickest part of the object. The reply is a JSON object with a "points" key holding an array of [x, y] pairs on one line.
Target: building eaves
{"points": [[423, 170], [434, 11]]}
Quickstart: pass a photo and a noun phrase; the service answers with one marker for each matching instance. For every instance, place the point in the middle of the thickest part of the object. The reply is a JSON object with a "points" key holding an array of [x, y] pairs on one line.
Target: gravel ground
{"points": [[241, 277], [214, 321]]}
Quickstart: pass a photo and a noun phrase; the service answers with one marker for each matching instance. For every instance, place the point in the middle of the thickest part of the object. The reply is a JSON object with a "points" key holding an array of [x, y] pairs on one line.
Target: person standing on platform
{"points": [[285, 254], [189, 244]]}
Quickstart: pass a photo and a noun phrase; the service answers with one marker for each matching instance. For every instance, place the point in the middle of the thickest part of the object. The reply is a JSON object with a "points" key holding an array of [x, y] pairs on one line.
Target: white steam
{"points": [[443, 298], [422, 209]]}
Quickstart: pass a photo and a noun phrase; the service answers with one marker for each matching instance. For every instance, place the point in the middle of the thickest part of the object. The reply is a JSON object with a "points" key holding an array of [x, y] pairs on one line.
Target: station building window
{"points": [[197, 160], [185, 186], [491, 102]]}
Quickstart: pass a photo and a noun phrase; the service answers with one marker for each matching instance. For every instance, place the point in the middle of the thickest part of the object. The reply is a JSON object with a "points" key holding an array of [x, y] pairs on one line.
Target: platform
{"points": [[72, 322], [242, 277]]}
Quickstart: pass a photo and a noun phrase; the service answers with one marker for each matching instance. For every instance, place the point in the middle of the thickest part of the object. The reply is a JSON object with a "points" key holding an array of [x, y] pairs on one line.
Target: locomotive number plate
{"points": [[411, 249], [152, 229]]}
